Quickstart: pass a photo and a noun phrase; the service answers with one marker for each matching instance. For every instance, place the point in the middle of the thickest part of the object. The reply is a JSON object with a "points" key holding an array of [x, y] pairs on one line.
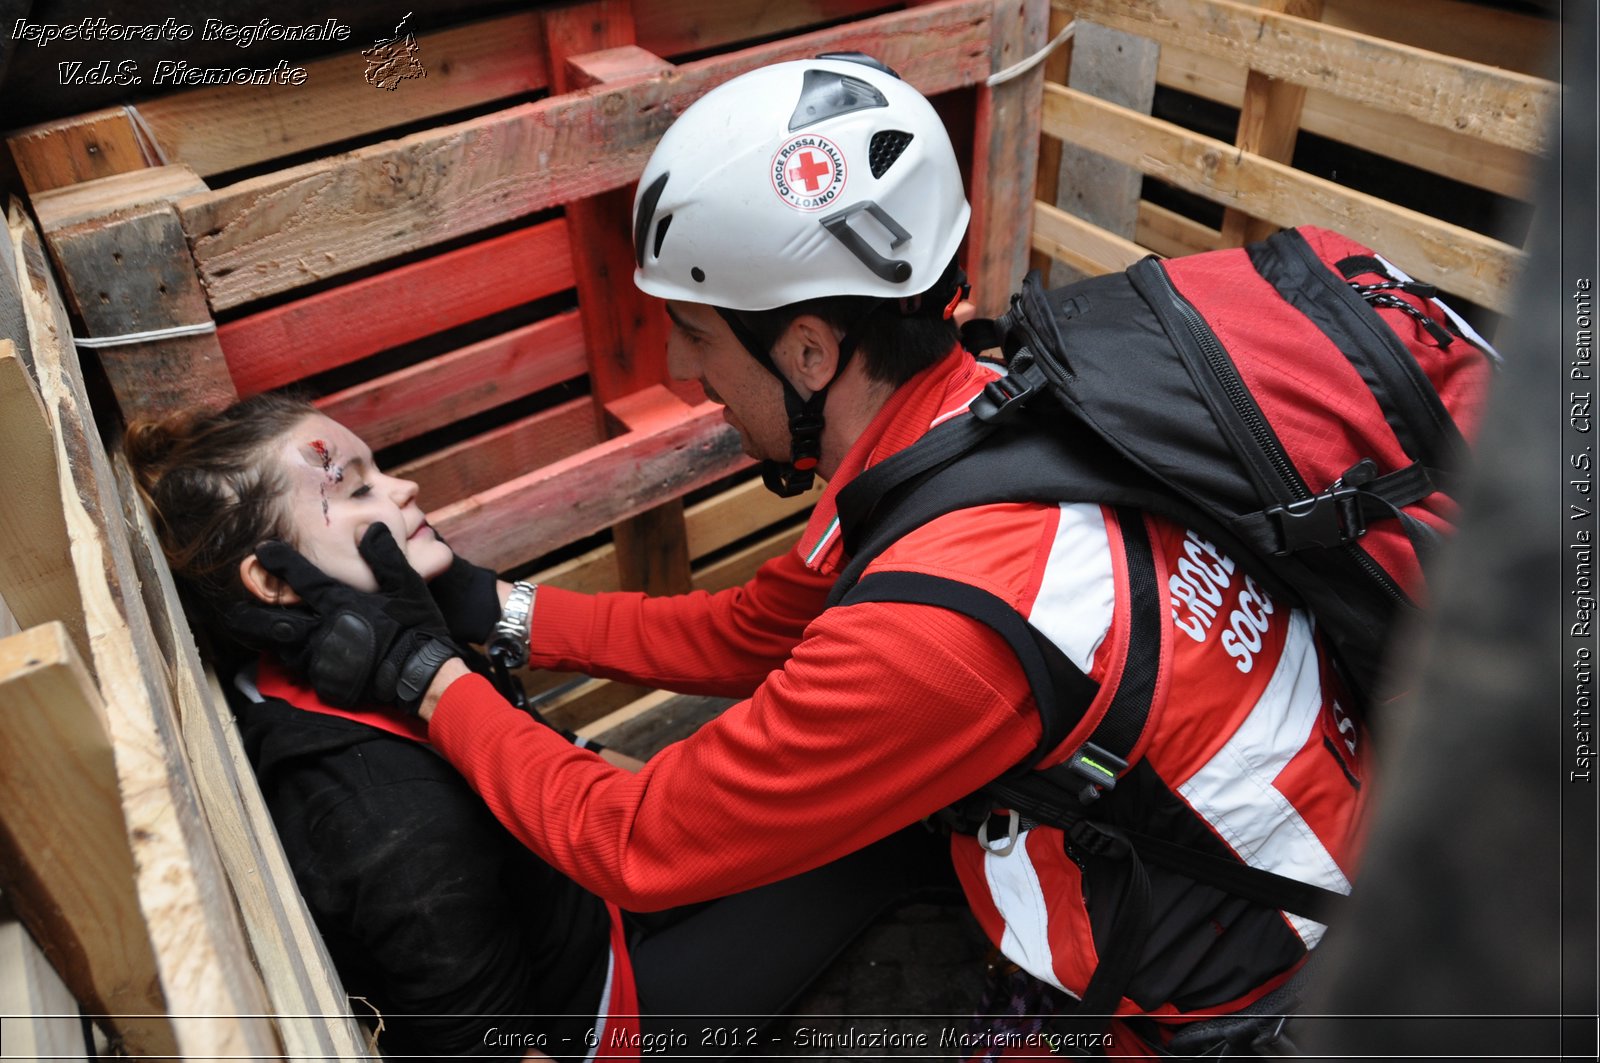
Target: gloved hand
{"points": [[469, 597], [380, 647]]}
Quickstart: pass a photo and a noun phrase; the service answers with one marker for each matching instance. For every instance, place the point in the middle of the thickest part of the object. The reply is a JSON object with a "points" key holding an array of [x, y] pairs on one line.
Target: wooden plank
{"points": [[1442, 151], [393, 198], [631, 711], [81, 148], [1005, 157], [90, 200], [131, 273], [1456, 259], [13, 321], [1494, 105], [700, 25], [737, 568], [1081, 244], [1269, 124], [229, 127], [589, 700], [339, 326], [1169, 234], [1057, 69], [479, 463], [624, 329], [36, 574], [446, 389], [622, 477], [576, 29], [216, 1000], [38, 1014], [295, 967], [739, 512], [1498, 37], [68, 868]]}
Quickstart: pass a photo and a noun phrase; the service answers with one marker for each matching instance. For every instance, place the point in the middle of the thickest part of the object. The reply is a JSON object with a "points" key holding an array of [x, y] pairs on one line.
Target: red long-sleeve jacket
{"points": [[859, 720]]}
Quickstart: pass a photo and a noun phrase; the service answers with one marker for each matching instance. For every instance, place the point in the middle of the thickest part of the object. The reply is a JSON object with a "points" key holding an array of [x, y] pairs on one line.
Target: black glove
{"points": [[469, 597], [384, 647]]}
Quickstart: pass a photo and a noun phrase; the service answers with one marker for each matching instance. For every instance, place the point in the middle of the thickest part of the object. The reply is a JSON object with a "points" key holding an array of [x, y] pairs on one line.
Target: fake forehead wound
{"points": [[317, 453]]}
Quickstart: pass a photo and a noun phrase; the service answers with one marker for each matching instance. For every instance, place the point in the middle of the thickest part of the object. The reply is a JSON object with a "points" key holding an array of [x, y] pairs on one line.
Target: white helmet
{"points": [[823, 177]]}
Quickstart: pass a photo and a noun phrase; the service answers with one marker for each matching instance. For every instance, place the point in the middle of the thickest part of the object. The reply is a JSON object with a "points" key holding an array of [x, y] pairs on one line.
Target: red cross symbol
{"points": [[810, 169]]}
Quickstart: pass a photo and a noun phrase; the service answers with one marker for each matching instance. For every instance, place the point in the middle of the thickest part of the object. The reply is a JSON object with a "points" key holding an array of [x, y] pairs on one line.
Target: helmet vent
{"points": [[828, 94], [661, 235], [886, 147]]}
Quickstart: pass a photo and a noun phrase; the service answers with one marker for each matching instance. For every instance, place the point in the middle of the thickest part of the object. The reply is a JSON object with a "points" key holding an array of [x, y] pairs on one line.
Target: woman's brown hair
{"points": [[214, 491]]}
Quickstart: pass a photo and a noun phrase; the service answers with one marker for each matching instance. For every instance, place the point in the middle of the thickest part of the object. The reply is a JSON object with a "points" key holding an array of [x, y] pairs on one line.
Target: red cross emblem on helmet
{"points": [[808, 172]]}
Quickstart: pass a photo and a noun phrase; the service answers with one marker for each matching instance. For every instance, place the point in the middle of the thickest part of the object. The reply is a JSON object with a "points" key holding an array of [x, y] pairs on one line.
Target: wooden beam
{"points": [[1494, 105], [393, 198], [216, 1000], [1496, 36], [453, 386], [128, 273], [624, 329], [38, 1013], [1169, 234], [336, 327], [68, 868], [82, 148], [701, 25], [740, 512], [1081, 244], [217, 129], [36, 574], [578, 496], [1269, 123], [1456, 259], [588, 700], [737, 568], [1005, 161], [75, 204], [479, 463], [1057, 70], [307, 998], [1442, 151]]}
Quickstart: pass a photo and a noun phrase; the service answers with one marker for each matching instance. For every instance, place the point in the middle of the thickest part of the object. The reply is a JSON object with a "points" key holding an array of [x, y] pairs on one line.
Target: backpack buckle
{"points": [[1004, 397], [1100, 769], [1332, 518]]}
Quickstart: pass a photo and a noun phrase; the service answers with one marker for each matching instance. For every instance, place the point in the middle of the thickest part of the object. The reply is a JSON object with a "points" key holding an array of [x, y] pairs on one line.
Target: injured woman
{"points": [[460, 938]]}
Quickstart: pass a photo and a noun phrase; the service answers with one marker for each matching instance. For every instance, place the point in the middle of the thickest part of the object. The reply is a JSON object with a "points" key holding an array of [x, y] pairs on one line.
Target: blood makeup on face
{"points": [[333, 473]]}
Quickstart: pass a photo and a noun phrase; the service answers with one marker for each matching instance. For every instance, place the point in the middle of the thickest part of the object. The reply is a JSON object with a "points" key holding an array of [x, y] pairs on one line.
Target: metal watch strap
{"points": [[510, 639]]}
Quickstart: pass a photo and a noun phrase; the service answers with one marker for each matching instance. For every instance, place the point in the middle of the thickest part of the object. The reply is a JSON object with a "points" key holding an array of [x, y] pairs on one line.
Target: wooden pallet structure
{"points": [[460, 295], [1441, 87]]}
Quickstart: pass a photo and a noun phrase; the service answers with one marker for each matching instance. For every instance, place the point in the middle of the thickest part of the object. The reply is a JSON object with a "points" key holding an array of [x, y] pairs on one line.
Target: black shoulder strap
{"points": [[1061, 690], [1064, 693]]}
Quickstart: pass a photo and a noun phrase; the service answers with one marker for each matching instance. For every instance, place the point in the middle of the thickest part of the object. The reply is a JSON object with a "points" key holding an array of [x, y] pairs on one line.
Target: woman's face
{"points": [[335, 493]]}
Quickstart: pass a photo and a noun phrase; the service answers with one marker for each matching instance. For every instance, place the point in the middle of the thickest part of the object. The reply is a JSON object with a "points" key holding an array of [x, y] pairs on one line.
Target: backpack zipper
{"points": [[1227, 375]]}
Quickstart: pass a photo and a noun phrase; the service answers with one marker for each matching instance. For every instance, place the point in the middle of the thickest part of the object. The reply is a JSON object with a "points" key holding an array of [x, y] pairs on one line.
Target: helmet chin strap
{"points": [[795, 476]]}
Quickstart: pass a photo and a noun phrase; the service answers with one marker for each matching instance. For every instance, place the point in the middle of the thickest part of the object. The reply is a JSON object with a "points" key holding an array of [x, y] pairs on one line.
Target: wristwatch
{"points": [[510, 639]]}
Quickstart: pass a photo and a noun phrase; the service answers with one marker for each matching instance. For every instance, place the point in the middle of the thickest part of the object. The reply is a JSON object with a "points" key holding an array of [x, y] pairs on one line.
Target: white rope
{"points": [[145, 337], [1018, 69], [147, 136]]}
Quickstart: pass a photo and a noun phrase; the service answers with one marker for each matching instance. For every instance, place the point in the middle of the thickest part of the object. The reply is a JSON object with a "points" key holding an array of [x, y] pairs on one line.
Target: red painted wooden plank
{"points": [[336, 327], [535, 513], [479, 463], [431, 394]]}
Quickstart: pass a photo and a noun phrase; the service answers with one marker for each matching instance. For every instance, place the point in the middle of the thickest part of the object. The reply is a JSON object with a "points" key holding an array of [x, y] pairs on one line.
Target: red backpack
{"points": [[1300, 399], [1300, 402]]}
